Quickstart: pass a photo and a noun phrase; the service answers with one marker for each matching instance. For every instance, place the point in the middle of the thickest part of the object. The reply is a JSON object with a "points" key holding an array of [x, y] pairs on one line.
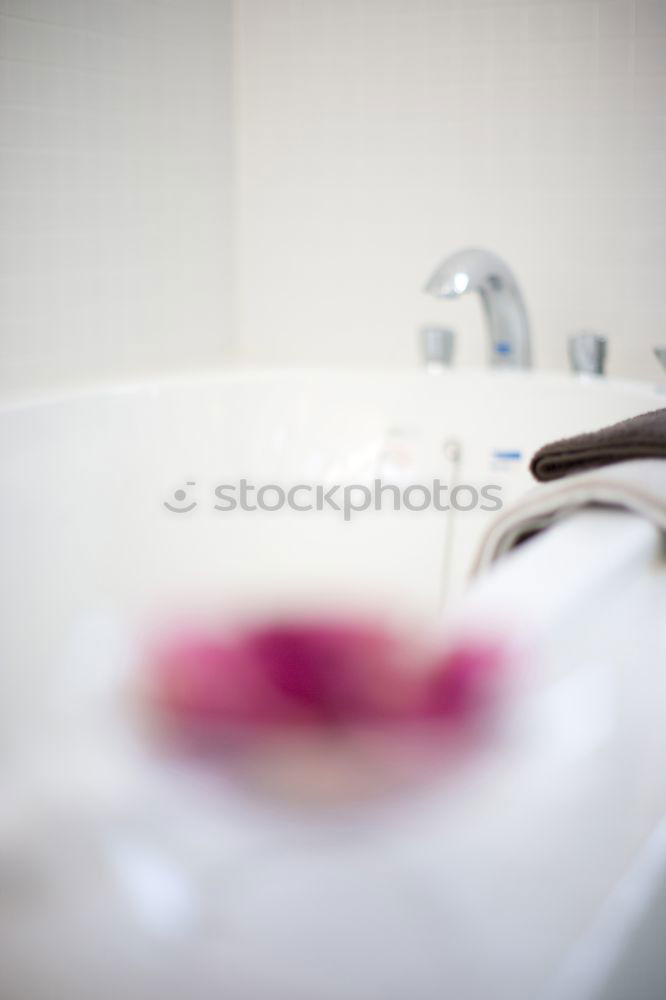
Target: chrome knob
{"points": [[660, 354], [437, 346], [587, 352]]}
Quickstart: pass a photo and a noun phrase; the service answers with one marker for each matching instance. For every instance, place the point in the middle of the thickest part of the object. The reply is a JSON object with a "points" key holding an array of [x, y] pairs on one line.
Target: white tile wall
{"points": [[115, 188], [366, 139], [375, 136]]}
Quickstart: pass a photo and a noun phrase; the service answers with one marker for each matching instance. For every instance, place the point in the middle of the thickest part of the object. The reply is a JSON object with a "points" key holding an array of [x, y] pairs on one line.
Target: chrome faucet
{"points": [[476, 270]]}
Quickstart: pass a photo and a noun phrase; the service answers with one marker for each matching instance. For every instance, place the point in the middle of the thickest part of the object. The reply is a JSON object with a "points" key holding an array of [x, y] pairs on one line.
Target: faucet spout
{"points": [[476, 270]]}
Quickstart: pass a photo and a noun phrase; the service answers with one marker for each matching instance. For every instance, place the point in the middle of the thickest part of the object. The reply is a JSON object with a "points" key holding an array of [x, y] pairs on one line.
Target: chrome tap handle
{"points": [[587, 352], [437, 344]]}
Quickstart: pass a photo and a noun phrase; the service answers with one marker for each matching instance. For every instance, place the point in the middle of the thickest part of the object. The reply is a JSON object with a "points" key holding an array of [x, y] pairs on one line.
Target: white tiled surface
{"points": [[115, 187], [367, 138], [375, 136]]}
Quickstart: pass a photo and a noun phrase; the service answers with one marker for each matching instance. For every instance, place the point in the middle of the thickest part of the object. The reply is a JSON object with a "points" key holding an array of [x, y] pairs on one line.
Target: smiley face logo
{"points": [[181, 496]]}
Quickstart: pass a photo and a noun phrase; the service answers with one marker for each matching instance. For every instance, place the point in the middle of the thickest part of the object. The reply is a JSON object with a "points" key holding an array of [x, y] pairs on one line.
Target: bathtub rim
{"points": [[155, 384]]}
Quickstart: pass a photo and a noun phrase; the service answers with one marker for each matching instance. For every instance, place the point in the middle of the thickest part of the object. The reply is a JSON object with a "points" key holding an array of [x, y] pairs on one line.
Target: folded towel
{"points": [[638, 437], [638, 486]]}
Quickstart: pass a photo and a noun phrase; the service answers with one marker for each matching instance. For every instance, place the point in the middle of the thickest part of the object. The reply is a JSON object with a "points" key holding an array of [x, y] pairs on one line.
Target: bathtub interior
{"points": [[86, 536], [190, 894]]}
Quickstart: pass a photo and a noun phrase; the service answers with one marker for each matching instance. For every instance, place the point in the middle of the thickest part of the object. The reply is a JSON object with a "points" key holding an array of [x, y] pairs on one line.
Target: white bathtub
{"points": [[85, 479], [90, 551]]}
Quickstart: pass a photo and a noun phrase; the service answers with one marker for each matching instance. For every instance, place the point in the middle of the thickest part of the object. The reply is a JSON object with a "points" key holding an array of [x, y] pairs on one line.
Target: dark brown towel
{"points": [[639, 437]]}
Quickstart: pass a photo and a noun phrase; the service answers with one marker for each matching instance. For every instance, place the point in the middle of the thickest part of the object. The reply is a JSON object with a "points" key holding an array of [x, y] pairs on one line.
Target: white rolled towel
{"points": [[638, 486]]}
